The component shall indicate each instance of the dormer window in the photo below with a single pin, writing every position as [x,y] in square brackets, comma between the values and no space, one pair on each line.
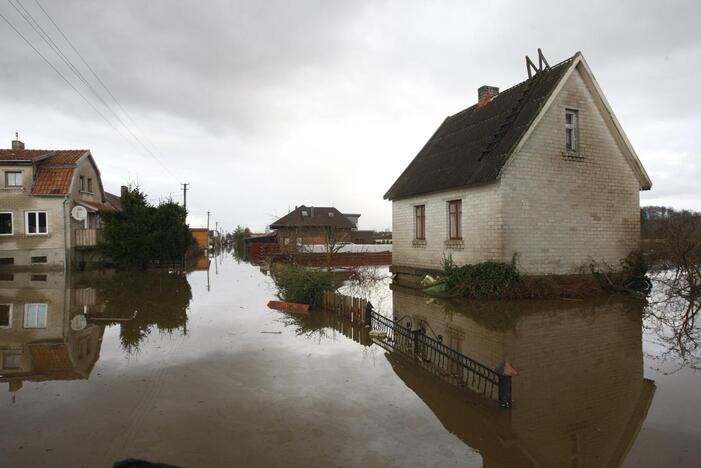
[305,213]
[571,136]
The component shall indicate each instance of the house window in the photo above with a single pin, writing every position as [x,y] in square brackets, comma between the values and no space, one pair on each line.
[82,183]
[6,224]
[35,222]
[35,315]
[90,185]
[454,219]
[38,278]
[7,261]
[7,277]
[5,315]
[13,179]
[420,214]
[571,136]
[40,259]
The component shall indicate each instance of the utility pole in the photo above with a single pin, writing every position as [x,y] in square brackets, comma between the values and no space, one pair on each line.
[185,196]
[208,230]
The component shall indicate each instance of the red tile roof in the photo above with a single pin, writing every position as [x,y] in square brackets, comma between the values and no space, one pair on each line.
[53,180]
[56,157]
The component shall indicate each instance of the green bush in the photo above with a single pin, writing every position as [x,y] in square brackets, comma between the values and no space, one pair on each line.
[481,280]
[142,234]
[303,285]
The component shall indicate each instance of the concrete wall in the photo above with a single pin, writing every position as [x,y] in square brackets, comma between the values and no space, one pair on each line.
[560,213]
[481,228]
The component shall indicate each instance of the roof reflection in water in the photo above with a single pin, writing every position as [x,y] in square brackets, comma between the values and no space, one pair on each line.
[51,324]
[42,334]
[580,397]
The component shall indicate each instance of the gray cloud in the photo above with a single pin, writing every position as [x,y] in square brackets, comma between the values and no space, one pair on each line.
[264,105]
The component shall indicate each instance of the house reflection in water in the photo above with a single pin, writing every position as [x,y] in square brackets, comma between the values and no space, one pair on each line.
[580,397]
[43,332]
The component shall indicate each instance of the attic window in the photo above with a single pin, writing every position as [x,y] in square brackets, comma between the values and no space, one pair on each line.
[571,133]
[305,213]
[330,214]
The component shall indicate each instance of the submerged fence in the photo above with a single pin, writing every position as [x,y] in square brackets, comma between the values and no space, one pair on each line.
[431,354]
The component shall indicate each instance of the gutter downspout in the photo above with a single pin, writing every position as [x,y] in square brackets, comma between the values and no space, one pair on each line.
[66,235]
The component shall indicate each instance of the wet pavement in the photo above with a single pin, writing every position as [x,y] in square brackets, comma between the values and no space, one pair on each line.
[195,370]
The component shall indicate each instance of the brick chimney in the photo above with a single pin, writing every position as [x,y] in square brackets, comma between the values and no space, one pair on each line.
[486,93]
[123,191]
[16,144]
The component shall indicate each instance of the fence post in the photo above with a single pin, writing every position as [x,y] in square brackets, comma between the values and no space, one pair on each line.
[417,334]
[505,391]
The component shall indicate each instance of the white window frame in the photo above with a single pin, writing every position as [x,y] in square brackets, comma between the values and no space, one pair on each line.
[26,223]
[21,180]
[574,128]
[36,322]
[9,323]
[3,360]
[12,221]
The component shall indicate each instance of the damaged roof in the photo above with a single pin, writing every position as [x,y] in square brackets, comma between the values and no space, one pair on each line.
[472,146]
[314,216]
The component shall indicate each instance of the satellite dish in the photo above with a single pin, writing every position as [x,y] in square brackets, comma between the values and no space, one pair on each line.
[79,213]
[79,322]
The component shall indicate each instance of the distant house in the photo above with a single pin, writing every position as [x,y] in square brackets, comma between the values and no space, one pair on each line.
[201,235]
[542,171]
[313,225]
[50,205]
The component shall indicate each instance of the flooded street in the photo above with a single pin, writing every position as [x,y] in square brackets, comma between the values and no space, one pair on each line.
[195,370]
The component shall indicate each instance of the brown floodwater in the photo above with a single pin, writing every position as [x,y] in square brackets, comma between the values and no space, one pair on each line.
[195,370]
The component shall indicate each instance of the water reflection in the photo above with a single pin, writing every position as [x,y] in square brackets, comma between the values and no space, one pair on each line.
[580,397]
[138,302]
[43,332]
[51,324]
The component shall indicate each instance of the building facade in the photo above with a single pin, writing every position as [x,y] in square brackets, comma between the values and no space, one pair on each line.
[50,203]
[541,173]
[313,225]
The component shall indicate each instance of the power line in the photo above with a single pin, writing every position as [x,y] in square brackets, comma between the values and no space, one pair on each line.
[46,37]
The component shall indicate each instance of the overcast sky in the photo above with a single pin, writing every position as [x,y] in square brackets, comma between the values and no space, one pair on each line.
[262,106]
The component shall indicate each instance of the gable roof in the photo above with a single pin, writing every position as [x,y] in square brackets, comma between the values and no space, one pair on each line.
[55,169]
[472,146]
[113,200]
[316,216]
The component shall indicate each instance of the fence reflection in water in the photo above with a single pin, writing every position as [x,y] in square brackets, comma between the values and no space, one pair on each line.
[431,354]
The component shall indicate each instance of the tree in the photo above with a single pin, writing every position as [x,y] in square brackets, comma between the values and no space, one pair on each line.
[141,234]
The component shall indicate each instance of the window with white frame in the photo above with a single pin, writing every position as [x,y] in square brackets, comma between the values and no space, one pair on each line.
[36,222]
[6,225]
[571,136]
[35,315]
[13,179]
[5,315]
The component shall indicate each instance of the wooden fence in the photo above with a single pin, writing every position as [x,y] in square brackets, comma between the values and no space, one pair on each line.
[353,308]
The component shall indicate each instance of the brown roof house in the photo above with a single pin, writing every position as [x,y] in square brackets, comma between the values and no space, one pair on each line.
[542,171]
[49,205]
[312,225]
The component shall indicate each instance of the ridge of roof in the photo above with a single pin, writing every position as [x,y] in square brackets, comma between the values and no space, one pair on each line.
[471,146]
[319,218]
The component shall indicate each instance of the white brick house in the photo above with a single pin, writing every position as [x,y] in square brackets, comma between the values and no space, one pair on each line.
[542,171]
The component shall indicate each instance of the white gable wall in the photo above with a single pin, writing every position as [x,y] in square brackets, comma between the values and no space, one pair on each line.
[560,213]
[481,228]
